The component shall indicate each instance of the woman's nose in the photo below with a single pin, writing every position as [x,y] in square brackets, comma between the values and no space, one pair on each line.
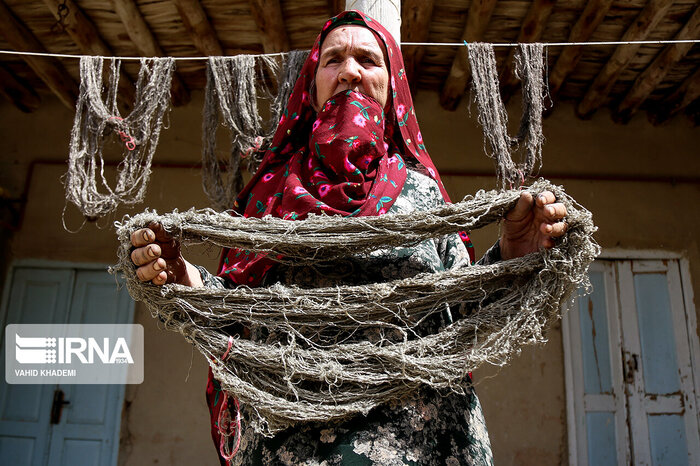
[350,72]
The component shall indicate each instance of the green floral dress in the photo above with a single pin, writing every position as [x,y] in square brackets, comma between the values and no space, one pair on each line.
[431,428]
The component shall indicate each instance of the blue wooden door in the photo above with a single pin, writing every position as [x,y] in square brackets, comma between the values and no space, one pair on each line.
[631,381]
[88,430]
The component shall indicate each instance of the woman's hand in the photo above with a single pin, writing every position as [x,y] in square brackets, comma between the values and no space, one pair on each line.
[532,224]
[159,260]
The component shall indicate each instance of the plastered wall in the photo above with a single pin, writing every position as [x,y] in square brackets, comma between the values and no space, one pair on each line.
[165,419]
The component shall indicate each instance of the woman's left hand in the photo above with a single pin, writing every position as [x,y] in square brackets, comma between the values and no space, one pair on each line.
[532,224]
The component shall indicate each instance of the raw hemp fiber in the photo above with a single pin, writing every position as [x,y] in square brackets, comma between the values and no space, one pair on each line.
[310,370]
[232,95]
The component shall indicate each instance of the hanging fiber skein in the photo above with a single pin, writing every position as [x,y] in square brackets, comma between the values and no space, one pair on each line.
[232,94]
[498,144]
[97,118]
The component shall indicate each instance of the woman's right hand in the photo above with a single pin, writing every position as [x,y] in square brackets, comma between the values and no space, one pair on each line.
[159,260]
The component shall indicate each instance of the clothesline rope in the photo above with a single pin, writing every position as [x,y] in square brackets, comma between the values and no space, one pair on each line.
[410,44]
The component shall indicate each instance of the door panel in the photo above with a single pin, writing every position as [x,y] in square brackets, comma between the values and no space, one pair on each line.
[660,366]
[602,449]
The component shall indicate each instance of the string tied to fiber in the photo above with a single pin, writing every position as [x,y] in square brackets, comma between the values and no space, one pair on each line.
[97,119]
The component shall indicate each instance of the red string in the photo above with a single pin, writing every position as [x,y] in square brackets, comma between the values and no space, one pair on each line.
[254,148]
[226,427]
[128,140]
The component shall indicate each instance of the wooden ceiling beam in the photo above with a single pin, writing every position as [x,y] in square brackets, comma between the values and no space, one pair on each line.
[603,83]
[592,15]
[270,21]
[531,31]
[682,97]
[415,27]
[147,45]
[455,85]
[50,70]
[655,73]
[197,24]
[85,35]
[18,91]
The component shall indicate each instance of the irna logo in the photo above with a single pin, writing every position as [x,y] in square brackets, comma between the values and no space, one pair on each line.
[33,350]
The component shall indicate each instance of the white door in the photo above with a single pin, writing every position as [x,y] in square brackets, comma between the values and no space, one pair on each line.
[36,427]
[629,349]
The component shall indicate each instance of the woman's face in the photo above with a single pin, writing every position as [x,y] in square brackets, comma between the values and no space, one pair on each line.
[352,58]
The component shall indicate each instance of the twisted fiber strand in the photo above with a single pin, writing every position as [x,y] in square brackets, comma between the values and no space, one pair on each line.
[529,68]
[317,363]
[322,237]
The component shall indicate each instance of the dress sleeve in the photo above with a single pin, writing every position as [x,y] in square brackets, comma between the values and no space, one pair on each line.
[212,281]
[454,253]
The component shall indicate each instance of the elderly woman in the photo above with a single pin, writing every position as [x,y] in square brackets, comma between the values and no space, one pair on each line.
[349,144]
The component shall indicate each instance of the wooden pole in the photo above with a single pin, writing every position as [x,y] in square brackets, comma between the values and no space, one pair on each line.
[682,97]
[86,36]
[195,20]
[387,12]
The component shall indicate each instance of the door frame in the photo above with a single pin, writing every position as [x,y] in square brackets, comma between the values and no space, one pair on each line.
[691,328]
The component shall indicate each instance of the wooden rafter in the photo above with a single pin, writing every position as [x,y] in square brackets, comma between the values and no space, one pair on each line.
[50,70]
[682,97]
[647,20]
[85,35]
[651,77]
[533,24]
[592,15]
[415,25]
[197,24]
[456,83]
[268,17]
[142,37]
[17,91]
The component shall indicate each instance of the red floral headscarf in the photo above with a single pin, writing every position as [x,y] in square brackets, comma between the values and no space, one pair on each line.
[346,160]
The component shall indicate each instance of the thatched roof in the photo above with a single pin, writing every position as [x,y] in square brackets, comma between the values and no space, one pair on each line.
[664,79]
